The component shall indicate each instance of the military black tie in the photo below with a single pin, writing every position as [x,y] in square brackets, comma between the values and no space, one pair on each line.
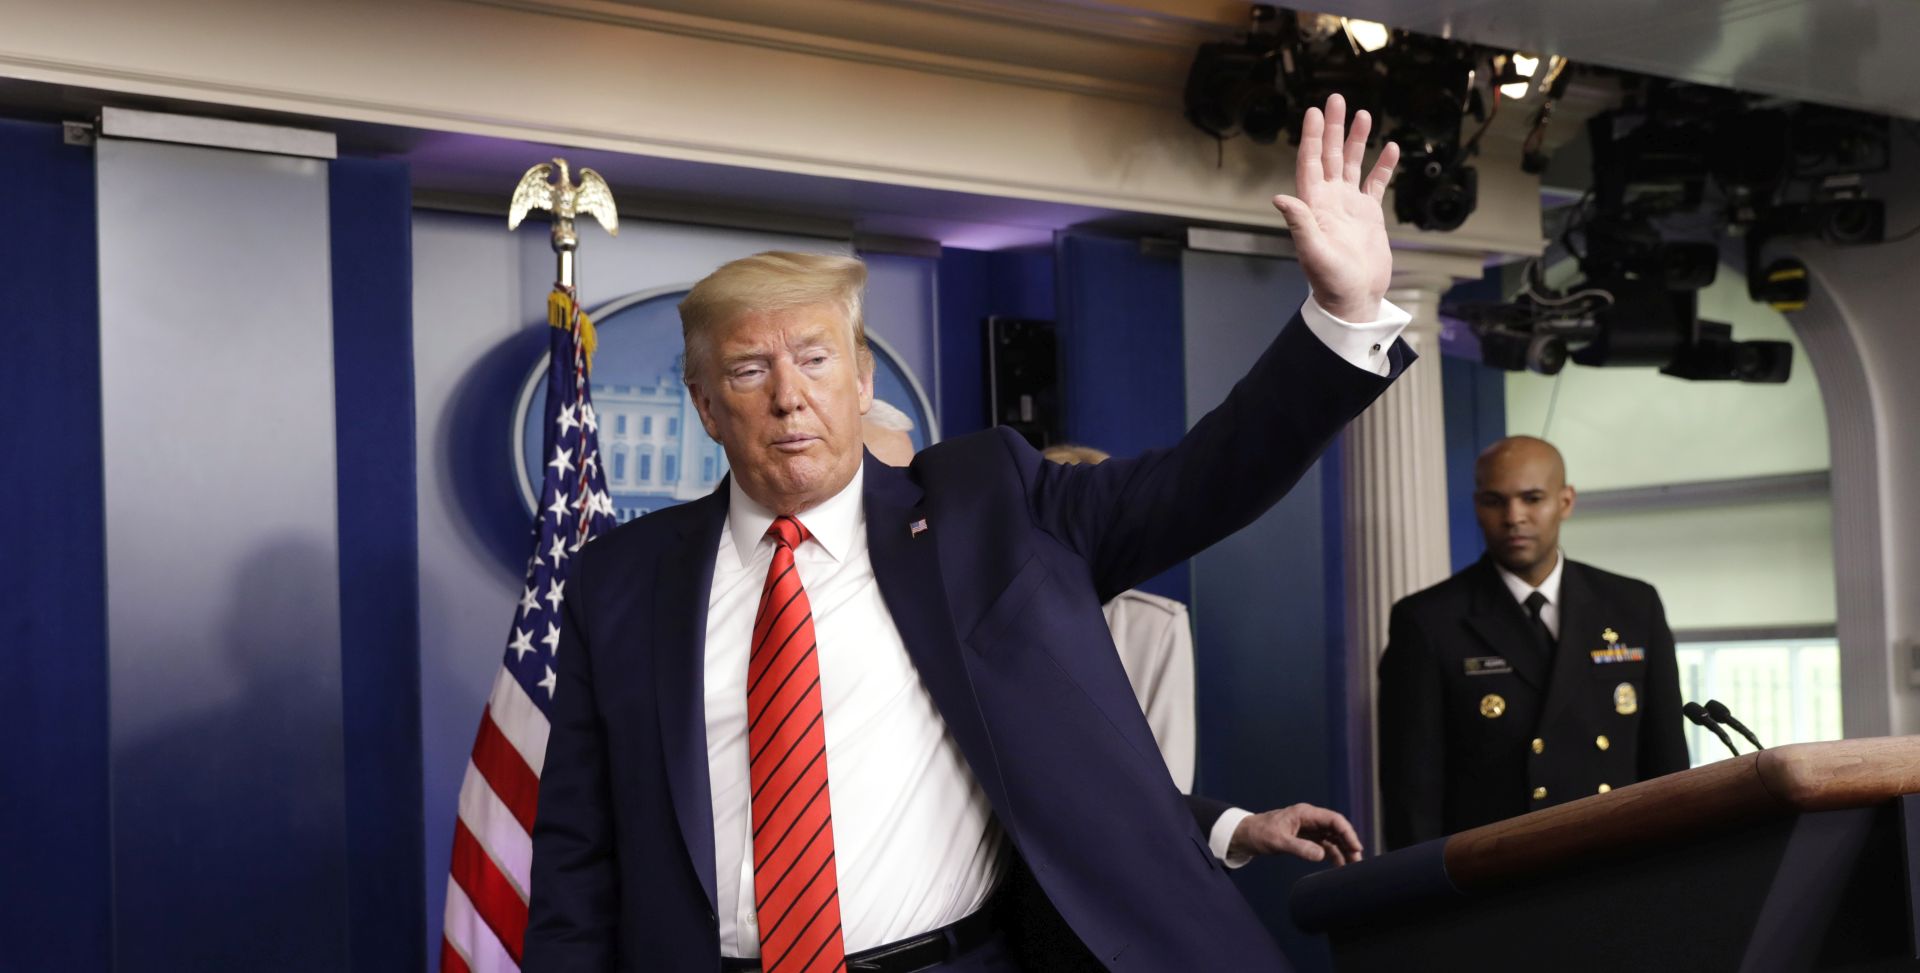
[1536,602]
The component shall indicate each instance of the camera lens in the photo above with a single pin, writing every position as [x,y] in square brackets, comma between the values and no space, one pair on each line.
[1547,354]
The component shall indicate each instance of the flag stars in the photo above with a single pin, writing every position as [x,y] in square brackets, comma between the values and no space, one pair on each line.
[562,460]
[552,639]
[558,552]
[529,603]
[554,596]
[559,508]
[522,644]
[587,417]
[548,683]
[566,420]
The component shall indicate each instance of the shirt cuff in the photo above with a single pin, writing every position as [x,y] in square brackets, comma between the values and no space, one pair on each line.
[1365,345]
[1221,837]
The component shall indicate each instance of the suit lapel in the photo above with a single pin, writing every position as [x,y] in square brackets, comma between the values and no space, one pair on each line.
[903,542]
[683,581]
[1500,622]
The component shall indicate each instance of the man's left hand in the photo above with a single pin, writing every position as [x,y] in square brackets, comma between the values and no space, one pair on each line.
[1303,831]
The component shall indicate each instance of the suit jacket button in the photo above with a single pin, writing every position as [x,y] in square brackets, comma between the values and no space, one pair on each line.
[1602,742]
[1539,793]
[1539,745]
[1605,788]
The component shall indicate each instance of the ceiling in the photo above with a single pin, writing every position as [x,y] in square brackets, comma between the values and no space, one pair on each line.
[1842,52]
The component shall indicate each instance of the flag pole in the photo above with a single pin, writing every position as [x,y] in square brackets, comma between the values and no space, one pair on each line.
[489,882]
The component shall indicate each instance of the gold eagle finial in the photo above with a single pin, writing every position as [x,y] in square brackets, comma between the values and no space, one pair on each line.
[564,198]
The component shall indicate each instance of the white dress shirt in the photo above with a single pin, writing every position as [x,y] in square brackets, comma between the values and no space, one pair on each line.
[1549,612]
[1364,345]
[915,843]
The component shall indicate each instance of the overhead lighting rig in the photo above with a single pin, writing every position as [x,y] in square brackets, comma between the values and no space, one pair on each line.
[1677,169]
[1422,90]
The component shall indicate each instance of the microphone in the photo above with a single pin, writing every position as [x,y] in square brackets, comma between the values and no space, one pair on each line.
[1700,716]
[1718,710]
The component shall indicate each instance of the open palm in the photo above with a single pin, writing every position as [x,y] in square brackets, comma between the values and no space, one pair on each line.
[1339,228]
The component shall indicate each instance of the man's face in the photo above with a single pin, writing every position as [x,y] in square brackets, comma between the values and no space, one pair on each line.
[783,392]
[1520,497]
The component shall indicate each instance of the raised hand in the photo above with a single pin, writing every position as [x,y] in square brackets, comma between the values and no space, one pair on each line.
[1339,229]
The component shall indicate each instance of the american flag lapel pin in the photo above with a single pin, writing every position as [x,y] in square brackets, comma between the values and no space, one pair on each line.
[918,527]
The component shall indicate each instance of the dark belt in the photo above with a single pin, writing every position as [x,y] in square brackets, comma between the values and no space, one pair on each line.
[949,942]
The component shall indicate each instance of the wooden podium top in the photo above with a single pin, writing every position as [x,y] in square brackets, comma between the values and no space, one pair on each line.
[1785,780]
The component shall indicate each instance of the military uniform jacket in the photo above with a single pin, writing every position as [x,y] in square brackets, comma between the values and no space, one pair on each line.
[1478,724]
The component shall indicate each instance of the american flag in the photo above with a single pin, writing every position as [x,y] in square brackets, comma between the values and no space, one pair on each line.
[486,915]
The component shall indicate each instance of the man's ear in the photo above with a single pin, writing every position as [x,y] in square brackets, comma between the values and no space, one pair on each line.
[1567,500]
[866,381]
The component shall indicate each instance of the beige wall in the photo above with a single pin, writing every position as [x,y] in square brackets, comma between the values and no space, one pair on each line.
[1628,427]
[974,104]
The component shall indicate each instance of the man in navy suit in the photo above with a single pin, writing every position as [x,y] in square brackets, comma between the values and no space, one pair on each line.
[818,719]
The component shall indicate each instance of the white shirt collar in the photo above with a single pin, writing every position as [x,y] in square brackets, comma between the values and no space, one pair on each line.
[1519,588]
[834,522]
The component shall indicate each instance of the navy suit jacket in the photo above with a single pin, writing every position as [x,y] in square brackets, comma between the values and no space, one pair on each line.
[998,602]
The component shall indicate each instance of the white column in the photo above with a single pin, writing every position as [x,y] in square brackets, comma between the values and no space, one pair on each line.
[1394,481]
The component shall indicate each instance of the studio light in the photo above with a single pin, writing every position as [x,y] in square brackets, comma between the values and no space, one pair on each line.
[1366,36]
[1436,190]
[1555,66]
[1233,88]
[1517,77]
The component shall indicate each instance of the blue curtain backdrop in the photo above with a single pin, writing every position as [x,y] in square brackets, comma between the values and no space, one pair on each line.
[1474,401]
[371,217]
[1121,354]
[57,900]
[973,286]
[55,906]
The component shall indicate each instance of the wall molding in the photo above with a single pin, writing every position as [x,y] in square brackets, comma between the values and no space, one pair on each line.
[826,43]
[1710,493]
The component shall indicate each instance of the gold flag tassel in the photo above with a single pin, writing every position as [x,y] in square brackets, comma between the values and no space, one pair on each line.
[563,311]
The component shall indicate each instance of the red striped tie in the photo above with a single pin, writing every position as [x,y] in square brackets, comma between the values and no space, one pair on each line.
[794,878]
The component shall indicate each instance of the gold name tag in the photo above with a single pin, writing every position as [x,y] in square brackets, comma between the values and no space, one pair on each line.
[1488,665]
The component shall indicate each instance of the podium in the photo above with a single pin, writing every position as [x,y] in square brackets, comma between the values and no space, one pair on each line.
[1803,857]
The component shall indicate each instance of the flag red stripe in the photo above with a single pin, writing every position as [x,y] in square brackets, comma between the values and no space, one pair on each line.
[506,772]
[450,959]
[493,896]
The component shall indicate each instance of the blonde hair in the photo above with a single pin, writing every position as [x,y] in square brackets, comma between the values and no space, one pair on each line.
[775,280]
[1071,455]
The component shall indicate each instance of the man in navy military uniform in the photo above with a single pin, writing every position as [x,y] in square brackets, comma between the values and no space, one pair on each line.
[1526,680]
